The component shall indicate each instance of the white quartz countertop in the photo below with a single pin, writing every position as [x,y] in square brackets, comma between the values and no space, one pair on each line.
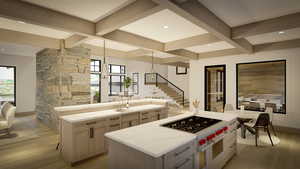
[75,118]
[155,140]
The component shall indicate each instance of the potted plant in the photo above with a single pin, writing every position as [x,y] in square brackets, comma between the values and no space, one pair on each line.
[127,84]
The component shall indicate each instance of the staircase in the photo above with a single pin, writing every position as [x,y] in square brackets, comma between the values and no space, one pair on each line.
[171,90]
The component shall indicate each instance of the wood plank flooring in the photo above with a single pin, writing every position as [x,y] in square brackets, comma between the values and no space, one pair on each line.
[40,153]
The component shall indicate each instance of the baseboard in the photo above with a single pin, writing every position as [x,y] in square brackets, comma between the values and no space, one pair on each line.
[287,129]
[22,114]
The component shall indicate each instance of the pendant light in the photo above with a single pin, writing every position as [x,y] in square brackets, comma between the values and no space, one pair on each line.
[152,67]
[104,71]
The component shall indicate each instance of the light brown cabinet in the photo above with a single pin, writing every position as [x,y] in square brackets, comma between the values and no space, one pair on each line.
[85,139]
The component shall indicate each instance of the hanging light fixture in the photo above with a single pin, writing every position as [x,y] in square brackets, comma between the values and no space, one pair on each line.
[104,67]
[152,67]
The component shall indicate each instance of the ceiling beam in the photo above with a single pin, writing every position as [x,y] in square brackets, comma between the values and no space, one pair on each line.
[219,53]
[195,12]
[28,39]
[75,40]
[185,53]
[173,59]
[22,11]
[180,64]
[288,44]
[134,40]
[271,25]
[191,41]
[131,13]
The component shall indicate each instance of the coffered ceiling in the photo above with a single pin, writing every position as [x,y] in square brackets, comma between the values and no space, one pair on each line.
[33,29]
[164,26]
[240,12]
[92,10]
[275,36]
[176,30]
[210,47]
[111,45]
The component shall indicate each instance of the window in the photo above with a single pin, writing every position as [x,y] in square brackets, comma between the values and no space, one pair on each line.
[8,84]
[96,81]
[261,85]
[135,83]
[215,82]
[181,70]
[116,79]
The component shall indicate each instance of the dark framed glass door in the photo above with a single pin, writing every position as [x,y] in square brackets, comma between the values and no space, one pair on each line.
[215,88]
[8,84]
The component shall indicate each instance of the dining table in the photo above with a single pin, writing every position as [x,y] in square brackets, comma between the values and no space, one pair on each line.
[244,116]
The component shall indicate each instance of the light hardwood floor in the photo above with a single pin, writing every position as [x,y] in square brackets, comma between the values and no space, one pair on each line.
[40,153]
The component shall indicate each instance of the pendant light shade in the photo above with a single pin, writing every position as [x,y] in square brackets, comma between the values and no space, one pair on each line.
[104,71]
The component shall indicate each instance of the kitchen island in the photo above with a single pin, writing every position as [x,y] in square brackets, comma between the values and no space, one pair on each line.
[82,127]
[154,146]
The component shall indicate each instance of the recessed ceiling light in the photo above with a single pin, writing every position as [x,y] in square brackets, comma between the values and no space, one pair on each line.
[21,22]
[281,32]
[166,27]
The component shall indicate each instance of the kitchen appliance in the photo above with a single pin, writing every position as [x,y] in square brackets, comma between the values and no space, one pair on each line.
[210,139]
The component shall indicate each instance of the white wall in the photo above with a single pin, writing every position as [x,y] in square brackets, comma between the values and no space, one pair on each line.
[131,67]
[292,56]
[26,80]
[182,81]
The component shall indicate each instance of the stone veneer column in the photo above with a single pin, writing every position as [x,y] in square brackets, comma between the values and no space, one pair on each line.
[63,78]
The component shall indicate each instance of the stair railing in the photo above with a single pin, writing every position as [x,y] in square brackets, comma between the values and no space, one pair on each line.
[157,79]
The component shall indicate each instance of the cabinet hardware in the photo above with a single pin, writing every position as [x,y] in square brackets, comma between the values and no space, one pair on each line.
[182,164]
[91,132]
[90,123]
[115,118]
[186,149]
[114,125]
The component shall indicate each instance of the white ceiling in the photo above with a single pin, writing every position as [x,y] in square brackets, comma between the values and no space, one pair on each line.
[111,44]
[210,47]
[18,50]
[92,10]
[275,36]
[153,27]
[33,29]
[240,12]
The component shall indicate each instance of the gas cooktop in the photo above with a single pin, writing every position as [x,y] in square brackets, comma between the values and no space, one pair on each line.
[192,124]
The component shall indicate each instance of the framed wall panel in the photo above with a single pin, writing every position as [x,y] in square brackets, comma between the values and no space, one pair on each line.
[261,85]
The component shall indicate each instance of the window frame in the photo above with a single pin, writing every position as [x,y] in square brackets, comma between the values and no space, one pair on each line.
[270,61]
[135,83]
[15,82]
[120,74]
[96,73]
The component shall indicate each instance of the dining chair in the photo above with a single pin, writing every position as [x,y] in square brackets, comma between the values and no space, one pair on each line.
[271,105]
[263,121]
[228,107]
[269,110]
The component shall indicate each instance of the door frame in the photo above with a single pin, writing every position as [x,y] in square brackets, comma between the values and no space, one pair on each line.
[205,84]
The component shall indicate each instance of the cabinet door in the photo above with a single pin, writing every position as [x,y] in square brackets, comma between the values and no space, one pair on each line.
[96,142]
[81,144]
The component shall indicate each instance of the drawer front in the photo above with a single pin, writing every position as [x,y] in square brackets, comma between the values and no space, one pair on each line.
[180,154]
[127,124]
[114,120]
[88,124]
[114,127]
[187,163]
[130,117]
[162,116]
[146,120]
